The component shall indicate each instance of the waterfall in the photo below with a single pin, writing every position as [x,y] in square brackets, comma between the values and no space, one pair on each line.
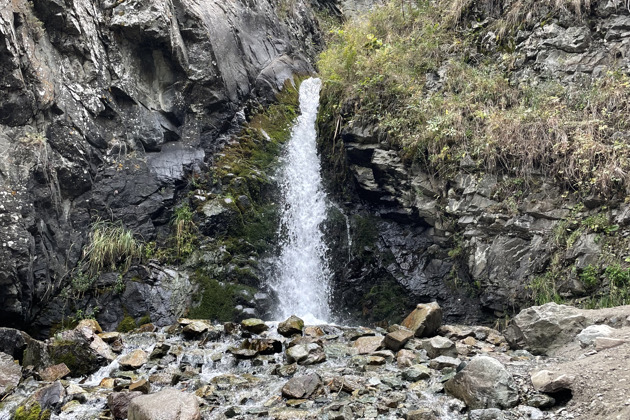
[301,272]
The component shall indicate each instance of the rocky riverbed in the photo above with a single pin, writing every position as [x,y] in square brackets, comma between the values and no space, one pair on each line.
[552,362]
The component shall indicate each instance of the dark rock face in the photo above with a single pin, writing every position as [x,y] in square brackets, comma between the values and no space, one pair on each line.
[105,110]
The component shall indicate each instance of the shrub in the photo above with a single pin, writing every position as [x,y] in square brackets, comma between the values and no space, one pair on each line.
[111,247]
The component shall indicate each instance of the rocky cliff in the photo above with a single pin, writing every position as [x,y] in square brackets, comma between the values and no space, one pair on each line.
[480,148]
[108,110]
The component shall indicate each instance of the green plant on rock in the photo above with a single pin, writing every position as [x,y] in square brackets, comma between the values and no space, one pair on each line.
[127,324]
[590,277]
[111,246]
[217,300]
[185,231]
[544,289]
[32,412]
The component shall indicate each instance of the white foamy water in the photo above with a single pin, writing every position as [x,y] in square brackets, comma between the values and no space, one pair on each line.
[302,273]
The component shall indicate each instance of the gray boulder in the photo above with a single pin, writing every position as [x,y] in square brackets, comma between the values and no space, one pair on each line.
[484,383]
[10,374]
[168,404]
[425,320]
[542,329]
[118,403]
[301,386]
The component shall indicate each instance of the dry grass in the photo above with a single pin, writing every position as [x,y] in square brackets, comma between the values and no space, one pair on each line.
[380,65]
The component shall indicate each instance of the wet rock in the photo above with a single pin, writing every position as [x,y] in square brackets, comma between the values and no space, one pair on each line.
[50,396]
[263,346]
[55,372]
[306,354]
[440,346]
[425,320]
[118,403]
[241,353]
[82,351]
[254,325]
[550,382]
[486,414]
[366,345]
[134,360]
[484,383]
[90,324]
[142,386]
[159,351]
[293,325]
[397,339]
[13,342]
[302,386]
[542,329]
[169,403]
[195,328]
[10,373]
[405,358]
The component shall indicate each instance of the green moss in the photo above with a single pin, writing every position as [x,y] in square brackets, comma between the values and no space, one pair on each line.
[78,359]
[217,300]
[34,412]
[127,324]
[145,320]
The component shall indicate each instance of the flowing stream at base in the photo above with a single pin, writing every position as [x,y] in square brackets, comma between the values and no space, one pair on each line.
[301,272]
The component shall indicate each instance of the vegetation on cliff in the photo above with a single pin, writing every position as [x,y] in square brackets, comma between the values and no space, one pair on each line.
[380,69]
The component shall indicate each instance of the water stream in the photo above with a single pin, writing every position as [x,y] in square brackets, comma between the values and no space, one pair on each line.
[301,272]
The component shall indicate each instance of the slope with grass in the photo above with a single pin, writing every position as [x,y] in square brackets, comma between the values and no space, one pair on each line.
[494,136]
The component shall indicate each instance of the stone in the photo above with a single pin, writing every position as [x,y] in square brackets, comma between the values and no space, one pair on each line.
[416,373]
[10,374]
[107,383]
[550,382]
[50,396]
[293,325]
[541,401]
[396,340]
[110,337]
[263,346]
[306,354]
[484,383]
[82,351]
[142,386]
[603,343]
[13,342]
[134,360]
[440,346]
[195,328]
[421,414]
[90,324]
[166,404]
[442,362]
[405,358]
[301,386]
[542,329]
[587,336]
[425,320]
[159,351]
[486,414]
[241,353]
[54,372]
[118,403]
[254,325]
[370,344]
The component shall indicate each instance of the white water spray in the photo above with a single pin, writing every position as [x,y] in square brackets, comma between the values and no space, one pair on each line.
[302,282]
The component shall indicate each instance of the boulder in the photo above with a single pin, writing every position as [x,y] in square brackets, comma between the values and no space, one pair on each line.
[425,320]
[13,342]
[301,386]
[305,354]
[366,345]
[262,345]
[543,329]
[293,325]
[396,340]
[55,372]
[254,325]
[118,403]
[142,386]
[550,382]
[587,336]
[484,383]
[50,396]
[82,351]
[440,346]
[168,404]
[133,360]
[195,328]
[603,343]
[10,374]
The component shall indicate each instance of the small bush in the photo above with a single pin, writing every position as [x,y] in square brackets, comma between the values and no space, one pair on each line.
[111,247]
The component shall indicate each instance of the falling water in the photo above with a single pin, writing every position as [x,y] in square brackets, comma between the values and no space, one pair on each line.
[302,274]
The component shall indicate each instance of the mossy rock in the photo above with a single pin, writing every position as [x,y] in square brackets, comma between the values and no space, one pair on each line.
[32,412]
[127,324]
